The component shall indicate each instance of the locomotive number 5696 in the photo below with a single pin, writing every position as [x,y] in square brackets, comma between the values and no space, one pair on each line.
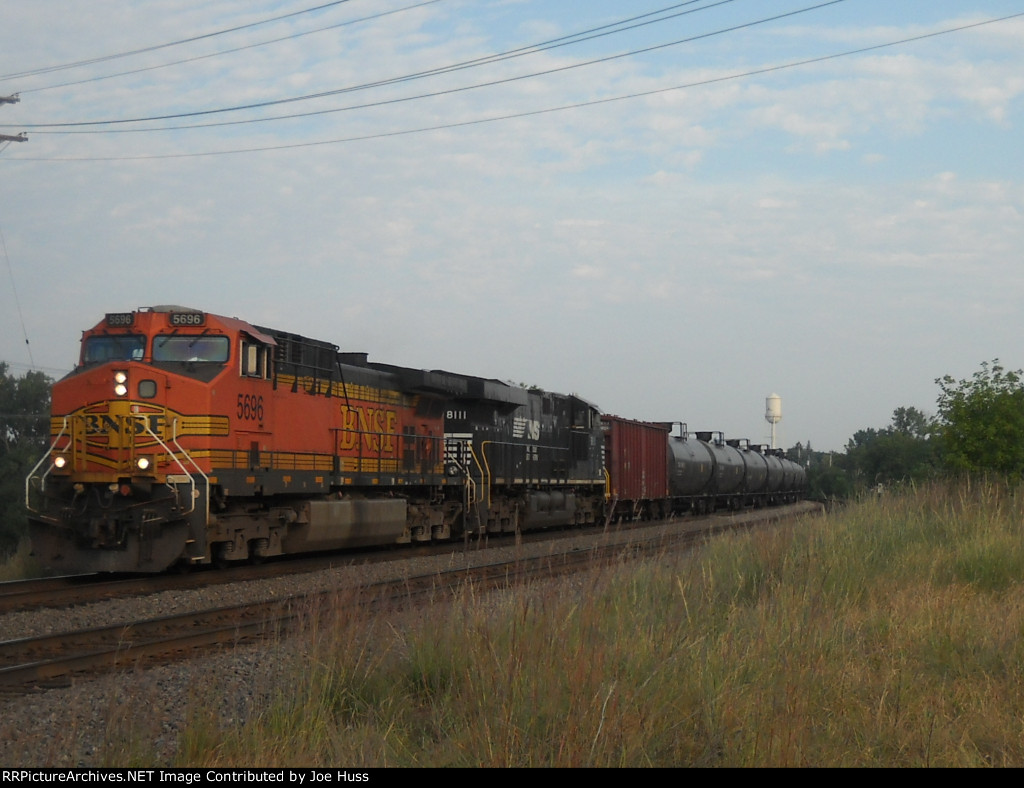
[250,406]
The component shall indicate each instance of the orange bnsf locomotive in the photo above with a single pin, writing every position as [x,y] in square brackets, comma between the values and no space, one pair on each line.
[183,437]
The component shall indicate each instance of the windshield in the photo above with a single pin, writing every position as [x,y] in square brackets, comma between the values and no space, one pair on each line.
[119,347]
[186,347]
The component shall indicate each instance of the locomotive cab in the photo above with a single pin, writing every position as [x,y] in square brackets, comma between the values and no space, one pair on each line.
[124,481]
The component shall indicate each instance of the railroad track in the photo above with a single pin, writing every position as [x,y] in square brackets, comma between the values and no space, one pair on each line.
[62,592]
[33,663]
[54,592]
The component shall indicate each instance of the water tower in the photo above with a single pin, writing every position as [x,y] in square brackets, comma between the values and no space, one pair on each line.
[773,412]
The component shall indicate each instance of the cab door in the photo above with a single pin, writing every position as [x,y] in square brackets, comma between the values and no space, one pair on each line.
[254,405]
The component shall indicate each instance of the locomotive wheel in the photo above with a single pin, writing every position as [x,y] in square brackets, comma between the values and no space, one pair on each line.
[259,549]
[219,555]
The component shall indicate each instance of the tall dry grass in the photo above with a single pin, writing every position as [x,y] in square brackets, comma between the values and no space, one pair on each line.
[888,634]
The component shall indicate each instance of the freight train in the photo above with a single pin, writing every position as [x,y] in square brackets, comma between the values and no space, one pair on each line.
[183,437]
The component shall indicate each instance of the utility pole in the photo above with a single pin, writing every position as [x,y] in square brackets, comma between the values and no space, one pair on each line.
[14,99]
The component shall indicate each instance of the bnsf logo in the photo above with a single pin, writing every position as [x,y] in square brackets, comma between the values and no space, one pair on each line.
[141,426]
[102,429]
[97,424]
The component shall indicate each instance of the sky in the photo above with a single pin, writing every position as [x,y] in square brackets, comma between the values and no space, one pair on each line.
[671,210]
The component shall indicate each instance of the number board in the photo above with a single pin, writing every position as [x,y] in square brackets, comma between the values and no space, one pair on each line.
[120,319]
[187,319]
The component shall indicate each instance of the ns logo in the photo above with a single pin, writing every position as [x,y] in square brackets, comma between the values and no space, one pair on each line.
[525,428]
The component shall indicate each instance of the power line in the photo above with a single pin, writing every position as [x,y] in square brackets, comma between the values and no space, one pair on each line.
[549,110]
[338,91]
[622,25]
[546,111]
[34,368]
[130,53]
[219,53]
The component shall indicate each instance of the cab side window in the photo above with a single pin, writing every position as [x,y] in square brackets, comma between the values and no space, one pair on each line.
[255,360]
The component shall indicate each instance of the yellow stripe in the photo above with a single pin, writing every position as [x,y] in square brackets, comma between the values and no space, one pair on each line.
[352,391]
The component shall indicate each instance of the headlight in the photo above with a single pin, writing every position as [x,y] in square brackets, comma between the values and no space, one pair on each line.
[59,461]
[120,383]
[144,463]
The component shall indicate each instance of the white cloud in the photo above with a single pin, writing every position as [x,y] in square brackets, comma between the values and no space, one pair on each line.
[842,233]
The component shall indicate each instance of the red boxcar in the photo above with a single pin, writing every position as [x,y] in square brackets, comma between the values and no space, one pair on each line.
[636,456]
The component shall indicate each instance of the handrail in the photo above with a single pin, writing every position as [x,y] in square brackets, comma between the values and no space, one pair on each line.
[485,475]
[175,456]
[32,473]
[206,479]
[191,478]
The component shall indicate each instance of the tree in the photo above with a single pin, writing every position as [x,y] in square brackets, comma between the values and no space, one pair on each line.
[24,433]
[827,479]
[982,421]
[903,451]
[912,422]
